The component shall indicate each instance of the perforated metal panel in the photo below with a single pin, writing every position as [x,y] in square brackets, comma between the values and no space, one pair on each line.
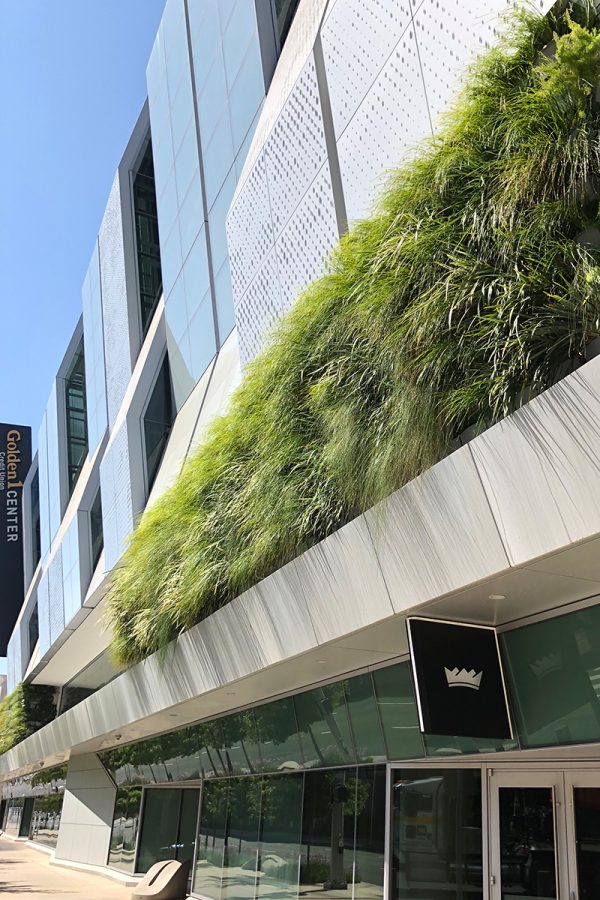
[450,34]
[249,229]
[259,309]
[306,242]
[56,597]
[357,39]
[117,509]
[43,486]
[296,148]
[390,121]
[114,303]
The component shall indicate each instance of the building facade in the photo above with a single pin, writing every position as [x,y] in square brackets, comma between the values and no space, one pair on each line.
[279,744]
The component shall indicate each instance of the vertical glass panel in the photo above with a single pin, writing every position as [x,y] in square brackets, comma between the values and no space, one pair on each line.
[158,420]
[158,834]
[147,237]
[527,844]
[125,826]
[324,728]
[75,406]
[240,860]
[448,746]
[285,11]
[554,678]
[96,530]
[45,821]
[188,822]
[281,824]
[211,839]
[437,834]
[586,803]
[277,733]
[33,629]
[364,719]
[328,832]
[36,544]
[371,812]
[398,711]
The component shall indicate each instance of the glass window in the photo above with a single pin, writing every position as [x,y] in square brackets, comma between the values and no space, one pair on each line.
[285,10]
[328,832]
[202,337]
[36,543]
[371,813]
[33,629]
[324,728]
[277,732]
[398,711]
[240,857]
[437,834]
[158,834]
[45,820]
[147,238]
[75,405]
[125,827]
[364,719]
[554,677]
[96,530]
[211,839]
[586,803]
[281,825]
[158,420]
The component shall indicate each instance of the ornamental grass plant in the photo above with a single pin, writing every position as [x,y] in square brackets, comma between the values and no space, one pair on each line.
[473,286]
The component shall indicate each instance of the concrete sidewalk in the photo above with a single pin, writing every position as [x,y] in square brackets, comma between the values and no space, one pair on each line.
[27,873]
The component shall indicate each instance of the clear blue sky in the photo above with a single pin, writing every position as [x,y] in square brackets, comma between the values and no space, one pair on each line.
[72,83]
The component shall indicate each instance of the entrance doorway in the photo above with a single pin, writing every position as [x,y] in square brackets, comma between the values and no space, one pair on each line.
[545,835]
[168,830]
[472,832]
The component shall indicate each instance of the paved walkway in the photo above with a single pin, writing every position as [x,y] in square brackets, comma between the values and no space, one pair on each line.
[27,873]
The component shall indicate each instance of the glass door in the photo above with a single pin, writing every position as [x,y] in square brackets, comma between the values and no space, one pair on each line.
[528,839]
[582,789]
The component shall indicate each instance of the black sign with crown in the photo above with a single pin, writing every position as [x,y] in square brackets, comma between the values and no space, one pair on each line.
[458,679]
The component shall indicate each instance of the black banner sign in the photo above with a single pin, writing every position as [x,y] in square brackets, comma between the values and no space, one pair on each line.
[458,679]
[15,460]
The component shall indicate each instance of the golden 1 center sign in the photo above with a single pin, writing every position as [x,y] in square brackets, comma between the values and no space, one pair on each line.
[15,461]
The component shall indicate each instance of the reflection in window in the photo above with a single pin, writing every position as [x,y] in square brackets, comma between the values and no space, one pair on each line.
[211,839]
[125,827]
[75,405]
[240,857]
[527,845]
[364,719]
[324,726]
[437,834]
[328,832]
[168,828]
[398,712]
[158,420]
[586,802]
[45,819]
[96,530]
[549,707]
[279,849]
[277,733]
[146,234]
[369,849]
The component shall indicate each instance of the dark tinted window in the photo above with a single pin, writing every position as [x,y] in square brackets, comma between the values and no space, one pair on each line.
[96,531]
[158,419]
[146,235]
[75,404]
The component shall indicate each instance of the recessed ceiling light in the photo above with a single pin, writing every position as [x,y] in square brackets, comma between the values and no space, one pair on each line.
[230,693]
[497,597]
[321,662]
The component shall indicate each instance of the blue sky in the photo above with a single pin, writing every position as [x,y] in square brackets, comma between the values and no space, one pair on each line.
[72,83]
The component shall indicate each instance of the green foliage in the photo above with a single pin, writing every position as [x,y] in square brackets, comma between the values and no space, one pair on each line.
[27,709]
[473,286]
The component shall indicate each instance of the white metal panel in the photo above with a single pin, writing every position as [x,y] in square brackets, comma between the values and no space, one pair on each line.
[295,150]
[249,229]
[390,121]
[117,507]
[357,39]
[259,309]
[303,248]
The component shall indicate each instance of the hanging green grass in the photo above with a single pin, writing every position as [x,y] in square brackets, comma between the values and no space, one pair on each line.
[474,286]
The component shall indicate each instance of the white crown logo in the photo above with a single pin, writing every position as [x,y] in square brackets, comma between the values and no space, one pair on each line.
[545,665]
[462,678]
